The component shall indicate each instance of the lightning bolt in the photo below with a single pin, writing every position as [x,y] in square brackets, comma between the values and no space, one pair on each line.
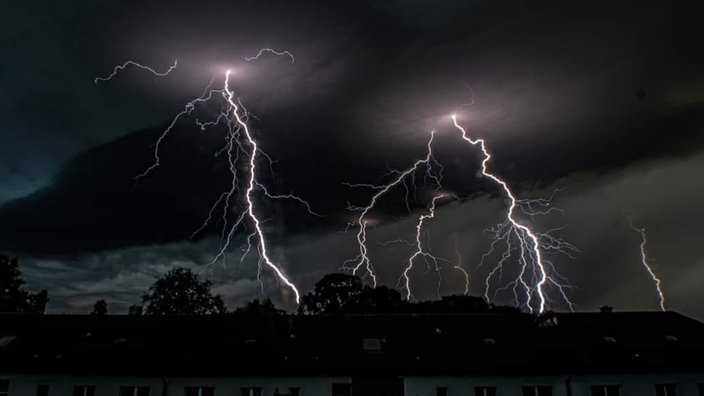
[459,267]
[118,68]
[362,260]
[243,155]
[269,50]
[420,251]
[645,261]
[532,263]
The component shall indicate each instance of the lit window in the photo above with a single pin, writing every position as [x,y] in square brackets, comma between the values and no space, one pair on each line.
[371,344]
[84,390]
[441,391]
[251,391]
[4,387]
[42,390]
[540,390]
[341,389]
[134,391]
[606,390]
[484,391]
[665,390]
[199,391]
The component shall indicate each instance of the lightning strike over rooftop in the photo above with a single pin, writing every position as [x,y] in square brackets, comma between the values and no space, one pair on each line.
[536,273]
[645,261]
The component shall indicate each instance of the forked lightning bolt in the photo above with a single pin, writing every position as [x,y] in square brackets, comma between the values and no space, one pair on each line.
[362,261]
[421,252]
[535,272]
[645,261]
[239,142]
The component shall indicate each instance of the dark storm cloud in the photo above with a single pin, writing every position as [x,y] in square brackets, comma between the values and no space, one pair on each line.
[604,99]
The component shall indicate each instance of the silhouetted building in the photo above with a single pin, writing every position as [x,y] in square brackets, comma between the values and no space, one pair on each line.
[581,354]
[134,310]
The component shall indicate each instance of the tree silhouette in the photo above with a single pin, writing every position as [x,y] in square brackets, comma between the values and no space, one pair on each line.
[100,308]
[377,300]
[345,294]
[180,291]
[330,294]
[12,297]
[263,308]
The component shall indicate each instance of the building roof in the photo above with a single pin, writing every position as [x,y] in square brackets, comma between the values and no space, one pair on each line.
[460,344]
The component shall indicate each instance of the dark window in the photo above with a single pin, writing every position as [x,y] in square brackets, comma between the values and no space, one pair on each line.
[484,391]
[199,391]
[84,390]
[4,387]
[701,389]
[441,391]
[540,390]
[606,390]
[42,390]
[665,390]
[294,391]
[134,391]
[341,389]
[251,391]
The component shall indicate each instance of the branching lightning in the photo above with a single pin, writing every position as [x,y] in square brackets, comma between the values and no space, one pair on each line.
[645,261]
[421,252]
[536,273]
[243,156]
[118,68]
[362,260]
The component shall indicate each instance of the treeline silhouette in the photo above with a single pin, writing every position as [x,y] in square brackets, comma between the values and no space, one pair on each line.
[181,292]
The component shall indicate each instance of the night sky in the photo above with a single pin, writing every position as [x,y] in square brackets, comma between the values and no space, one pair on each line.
[603,101]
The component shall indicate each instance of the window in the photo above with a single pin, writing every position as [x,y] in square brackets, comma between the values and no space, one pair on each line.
[341,389]
[484,391]
[251,391]
[84,390]
[701,389]
[134,391]
[371,344]
[199,391]
[441,391]
[540,390]
[665,390]
[294,391]
[4,387]
[42,390]
[606,390]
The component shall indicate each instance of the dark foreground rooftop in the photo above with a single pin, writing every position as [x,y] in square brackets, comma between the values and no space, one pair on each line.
[461,344]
